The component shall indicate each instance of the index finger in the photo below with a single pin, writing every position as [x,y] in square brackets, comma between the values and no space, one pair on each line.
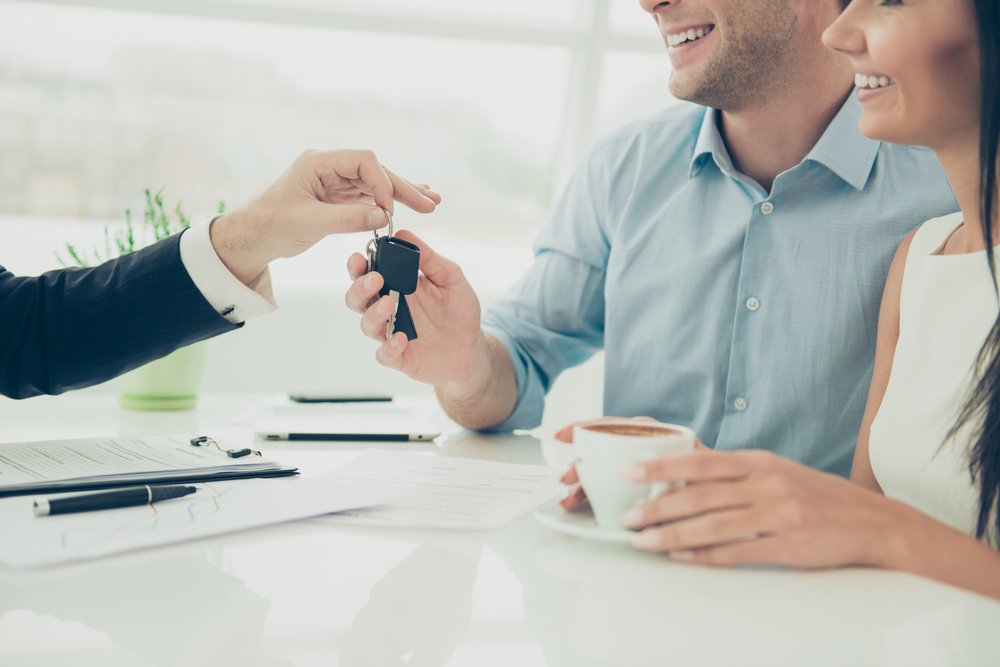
[354,164]
[357,266]
[422,200]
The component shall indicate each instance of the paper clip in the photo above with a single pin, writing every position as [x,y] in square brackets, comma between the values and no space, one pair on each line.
[205,441]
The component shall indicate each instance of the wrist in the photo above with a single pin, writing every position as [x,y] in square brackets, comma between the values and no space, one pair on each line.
[894,542]
[237,249]
[476,381]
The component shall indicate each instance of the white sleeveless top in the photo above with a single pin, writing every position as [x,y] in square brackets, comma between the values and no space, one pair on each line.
[947,307]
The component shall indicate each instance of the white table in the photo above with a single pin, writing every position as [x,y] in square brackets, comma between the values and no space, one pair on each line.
[311,593]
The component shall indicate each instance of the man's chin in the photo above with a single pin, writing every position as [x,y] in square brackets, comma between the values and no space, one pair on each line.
[683,87]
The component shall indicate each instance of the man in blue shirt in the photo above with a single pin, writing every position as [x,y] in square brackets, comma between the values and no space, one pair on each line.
[728,255]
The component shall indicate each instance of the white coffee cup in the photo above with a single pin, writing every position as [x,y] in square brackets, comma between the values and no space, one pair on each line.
[602,450]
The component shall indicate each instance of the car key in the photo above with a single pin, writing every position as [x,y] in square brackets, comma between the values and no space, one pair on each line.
[398,261]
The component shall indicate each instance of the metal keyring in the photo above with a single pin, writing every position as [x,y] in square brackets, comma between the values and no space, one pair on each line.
[372,245]
[375,231]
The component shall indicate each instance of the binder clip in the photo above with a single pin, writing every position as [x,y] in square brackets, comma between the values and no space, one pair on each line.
[205,441]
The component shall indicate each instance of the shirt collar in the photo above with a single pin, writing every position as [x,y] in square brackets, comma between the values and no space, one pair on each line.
[709,142]
[842,148]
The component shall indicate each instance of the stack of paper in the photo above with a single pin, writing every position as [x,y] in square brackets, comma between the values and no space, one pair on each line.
[216,508]
[444,492]
[67,465]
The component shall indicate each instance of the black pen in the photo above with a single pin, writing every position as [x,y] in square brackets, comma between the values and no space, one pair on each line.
[88,502]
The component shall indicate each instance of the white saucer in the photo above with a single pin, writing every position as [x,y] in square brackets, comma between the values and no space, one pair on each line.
[579,524]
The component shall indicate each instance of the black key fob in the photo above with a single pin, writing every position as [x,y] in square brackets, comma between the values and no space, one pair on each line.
[398,261]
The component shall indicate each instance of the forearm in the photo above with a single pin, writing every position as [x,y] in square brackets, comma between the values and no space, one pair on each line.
[77,327]
[926,547]
[488,396]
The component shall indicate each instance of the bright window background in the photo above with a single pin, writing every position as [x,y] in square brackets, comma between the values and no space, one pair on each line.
[492,104]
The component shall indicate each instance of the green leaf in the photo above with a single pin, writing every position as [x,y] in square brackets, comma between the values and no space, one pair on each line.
[156,221]
[76,256]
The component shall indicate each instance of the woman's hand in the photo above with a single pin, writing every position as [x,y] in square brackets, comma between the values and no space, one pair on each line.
[575,498]
[756,507]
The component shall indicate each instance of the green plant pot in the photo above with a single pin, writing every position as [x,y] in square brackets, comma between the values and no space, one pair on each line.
[170,383]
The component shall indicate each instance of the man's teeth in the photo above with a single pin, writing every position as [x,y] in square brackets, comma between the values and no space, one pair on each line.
[872,81]
[689,35]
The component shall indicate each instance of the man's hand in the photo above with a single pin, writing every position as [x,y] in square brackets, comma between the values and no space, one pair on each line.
[471,371]
[451,346]
[323,192]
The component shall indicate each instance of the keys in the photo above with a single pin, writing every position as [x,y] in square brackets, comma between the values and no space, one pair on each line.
[398,261]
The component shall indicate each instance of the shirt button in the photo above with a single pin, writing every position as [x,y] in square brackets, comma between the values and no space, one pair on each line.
[753,303]
[767,208]
[740,404]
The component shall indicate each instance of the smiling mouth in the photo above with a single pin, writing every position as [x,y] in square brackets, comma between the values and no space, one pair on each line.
[675,39]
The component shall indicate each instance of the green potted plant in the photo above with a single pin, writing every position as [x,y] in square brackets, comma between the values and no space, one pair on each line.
[170,383]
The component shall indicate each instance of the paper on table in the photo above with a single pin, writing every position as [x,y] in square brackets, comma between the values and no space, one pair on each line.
[445,492]
[218,507]
[38,466]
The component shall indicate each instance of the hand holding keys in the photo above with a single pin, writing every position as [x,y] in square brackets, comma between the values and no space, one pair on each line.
[443,306]
[398,262]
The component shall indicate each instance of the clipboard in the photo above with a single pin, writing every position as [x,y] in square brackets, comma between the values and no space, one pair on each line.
[56,466]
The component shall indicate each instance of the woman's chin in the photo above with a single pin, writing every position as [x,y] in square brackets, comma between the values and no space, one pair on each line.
[878,127]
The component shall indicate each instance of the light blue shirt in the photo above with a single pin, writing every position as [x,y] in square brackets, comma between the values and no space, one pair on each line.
[749,316]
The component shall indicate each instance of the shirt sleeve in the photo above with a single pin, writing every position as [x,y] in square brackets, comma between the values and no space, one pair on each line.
[231,298]
[553,318]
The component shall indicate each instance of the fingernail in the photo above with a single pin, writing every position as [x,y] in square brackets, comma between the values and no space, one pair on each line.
[395,342]
[633,517]
[648,540]
[634,473]
[376,218]
[370,282]
[682,556]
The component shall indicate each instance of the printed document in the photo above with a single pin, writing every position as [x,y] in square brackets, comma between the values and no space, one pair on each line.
[216,508]
[445,492]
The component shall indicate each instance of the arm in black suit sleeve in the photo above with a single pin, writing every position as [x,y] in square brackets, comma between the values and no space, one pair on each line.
[77,327]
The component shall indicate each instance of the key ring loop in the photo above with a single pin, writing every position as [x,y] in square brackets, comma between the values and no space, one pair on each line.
[375,231]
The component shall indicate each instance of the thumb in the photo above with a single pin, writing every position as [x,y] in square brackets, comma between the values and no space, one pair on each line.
[345,218]
[440,270]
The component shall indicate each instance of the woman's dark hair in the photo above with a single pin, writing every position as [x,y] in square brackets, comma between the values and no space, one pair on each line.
[983,403]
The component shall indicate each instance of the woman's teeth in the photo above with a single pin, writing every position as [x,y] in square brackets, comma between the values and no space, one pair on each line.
[690,35]
[872,81]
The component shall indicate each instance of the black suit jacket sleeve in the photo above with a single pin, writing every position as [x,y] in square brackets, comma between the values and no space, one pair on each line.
[77,327]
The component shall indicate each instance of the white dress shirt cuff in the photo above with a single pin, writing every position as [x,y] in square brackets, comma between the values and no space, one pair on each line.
[225,292]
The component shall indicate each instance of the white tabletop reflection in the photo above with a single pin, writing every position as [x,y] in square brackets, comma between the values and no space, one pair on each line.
[313,593]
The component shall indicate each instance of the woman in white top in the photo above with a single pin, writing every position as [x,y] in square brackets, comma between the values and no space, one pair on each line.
[926,474]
